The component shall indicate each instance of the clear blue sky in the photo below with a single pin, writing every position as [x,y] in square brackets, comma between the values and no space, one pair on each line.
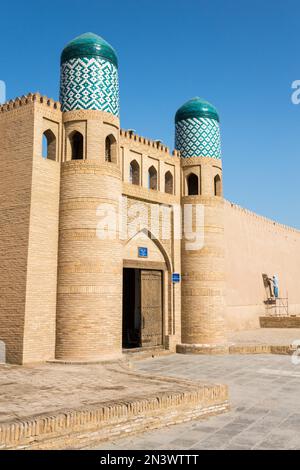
[241,55]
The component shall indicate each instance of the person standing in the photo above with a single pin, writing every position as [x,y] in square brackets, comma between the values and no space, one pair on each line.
[275,286]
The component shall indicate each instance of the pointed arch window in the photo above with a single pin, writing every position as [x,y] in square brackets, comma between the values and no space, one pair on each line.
[169,183]
[192,184]
[110,149]
[217,185]
[76,141]
[134,172]
[49,145]
[152,178]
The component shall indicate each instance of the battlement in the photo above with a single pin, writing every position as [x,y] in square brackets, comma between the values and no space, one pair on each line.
[268,223]
[132,136]
[28,99]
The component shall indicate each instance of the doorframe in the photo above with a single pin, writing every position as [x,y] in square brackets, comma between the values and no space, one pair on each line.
[139,264]
[152,266]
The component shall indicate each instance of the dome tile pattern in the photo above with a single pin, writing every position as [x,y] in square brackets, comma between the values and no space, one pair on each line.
[89,84]
[89,75]
[198,138]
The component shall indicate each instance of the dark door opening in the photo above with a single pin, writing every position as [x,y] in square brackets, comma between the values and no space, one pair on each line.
[131,309]
[142,308]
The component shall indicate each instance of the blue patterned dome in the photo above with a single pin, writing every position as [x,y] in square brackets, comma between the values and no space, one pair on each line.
[89,45]
[89,75]
[196,107]
[197,131]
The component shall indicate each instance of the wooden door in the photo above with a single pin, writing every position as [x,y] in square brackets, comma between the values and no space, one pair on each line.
[151,308]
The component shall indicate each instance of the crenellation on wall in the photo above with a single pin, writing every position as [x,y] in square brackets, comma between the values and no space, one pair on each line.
[156,147]
[263,221]
[28,99]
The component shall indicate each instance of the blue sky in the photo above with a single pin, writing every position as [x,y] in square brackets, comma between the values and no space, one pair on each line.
[240,55]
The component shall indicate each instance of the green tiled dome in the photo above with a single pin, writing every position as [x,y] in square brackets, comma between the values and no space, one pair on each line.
[196,108]
[197,130]
[89,45]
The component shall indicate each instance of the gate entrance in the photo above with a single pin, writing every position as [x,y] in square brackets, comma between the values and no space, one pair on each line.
[142,308]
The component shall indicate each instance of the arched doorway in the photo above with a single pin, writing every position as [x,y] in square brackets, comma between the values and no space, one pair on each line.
[142,308]
[145,289]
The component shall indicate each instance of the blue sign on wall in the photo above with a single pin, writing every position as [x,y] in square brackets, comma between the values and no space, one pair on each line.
[176,277]
[143,252]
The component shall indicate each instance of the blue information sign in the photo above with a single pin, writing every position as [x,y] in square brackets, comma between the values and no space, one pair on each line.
[143,252]
[176,277]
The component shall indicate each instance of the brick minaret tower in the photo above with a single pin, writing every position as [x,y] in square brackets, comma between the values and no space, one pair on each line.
[203,272]
[89,299]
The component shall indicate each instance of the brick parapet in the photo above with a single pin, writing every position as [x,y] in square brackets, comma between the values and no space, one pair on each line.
[136,141]
[29,99]
[264,222]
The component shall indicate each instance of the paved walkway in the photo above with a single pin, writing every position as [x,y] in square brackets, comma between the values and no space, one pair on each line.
[265,398]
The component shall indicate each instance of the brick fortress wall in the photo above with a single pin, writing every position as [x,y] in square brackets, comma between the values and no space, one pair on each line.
[256,245]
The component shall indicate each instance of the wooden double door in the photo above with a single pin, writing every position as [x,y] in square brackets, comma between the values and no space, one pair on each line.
[142,308]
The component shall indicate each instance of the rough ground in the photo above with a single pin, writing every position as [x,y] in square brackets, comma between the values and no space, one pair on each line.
[50,388]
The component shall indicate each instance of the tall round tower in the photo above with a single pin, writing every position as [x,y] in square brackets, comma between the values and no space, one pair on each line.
[89,309]
[197,136]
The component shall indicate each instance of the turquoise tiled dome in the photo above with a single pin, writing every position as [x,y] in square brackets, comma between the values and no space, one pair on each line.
[196,108]
[89,45]
[89,75]
[197,132]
